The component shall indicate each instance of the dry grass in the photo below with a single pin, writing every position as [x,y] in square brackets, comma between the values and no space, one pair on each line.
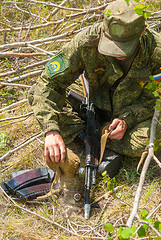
[63,218]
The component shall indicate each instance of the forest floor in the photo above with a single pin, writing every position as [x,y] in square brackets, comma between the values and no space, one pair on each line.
[63,218]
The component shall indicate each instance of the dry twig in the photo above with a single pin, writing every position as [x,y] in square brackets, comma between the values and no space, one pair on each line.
[19,120]
[11,118]
[13,54]
[36,214]
[157,161]
[43,40]
[72,9]
[25,76]
[13,105]
[22,69]
[150,225]
[14,85]
[26,142]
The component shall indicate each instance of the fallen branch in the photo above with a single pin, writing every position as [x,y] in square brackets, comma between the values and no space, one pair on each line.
[32,14]
[154,210]
[55,22]
[154,13]
[13,105]
[102,211]
[145,168]
[156,25]
[26,44]
[13,54]
[22,69]
[26,142]
[71,9]
[24,28]
[46,219]
[19,120]
[15,85]
[25,76]
[34,213]
[42,50]
[106,195]
[12,118]
[56,9]
[6,25]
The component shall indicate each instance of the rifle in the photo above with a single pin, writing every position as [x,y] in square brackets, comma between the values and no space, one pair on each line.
[92,141]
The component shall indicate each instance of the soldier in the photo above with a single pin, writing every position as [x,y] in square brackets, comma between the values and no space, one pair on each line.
[117,56]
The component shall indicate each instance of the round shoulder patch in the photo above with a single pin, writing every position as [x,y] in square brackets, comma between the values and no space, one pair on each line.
[55,65]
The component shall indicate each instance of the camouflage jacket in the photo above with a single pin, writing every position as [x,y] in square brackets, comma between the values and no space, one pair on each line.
[131,100]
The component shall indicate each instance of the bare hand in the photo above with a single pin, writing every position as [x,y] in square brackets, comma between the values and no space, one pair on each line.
[55,150]
[118,127]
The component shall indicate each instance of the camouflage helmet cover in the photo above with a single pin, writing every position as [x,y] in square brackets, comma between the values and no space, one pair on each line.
[122,30]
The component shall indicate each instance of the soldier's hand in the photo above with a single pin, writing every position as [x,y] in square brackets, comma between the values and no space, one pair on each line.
[55,149]
[118,127]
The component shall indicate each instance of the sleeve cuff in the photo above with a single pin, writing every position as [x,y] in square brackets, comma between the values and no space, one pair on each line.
[51,127]
[128,117]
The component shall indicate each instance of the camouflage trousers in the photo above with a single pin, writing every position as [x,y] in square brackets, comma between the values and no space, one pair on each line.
[133,143]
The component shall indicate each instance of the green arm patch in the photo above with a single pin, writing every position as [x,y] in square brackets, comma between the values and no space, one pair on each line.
[56,65]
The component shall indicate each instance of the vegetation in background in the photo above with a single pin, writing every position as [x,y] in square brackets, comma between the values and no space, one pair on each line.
[26,21]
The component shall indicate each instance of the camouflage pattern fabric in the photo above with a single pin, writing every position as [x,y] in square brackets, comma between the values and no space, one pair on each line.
[130,100]
[134,141]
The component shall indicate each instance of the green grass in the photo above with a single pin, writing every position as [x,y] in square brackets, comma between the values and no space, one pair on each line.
[32,221]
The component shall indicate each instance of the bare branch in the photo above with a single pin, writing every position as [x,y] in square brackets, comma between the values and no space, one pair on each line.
[43,25]
[25,76]
[10,152]
[13,105]
[19,120]
[11,118]
[24,28]
[157,161]
[144,154]
[145,167]
[22,69]
[56,9]
[71,9]
[25,44]
[37,215]
[40,49]
[24,11]
[13,2]
[150,214]
[15,85]
[150,225]
[13,54]
[154,210]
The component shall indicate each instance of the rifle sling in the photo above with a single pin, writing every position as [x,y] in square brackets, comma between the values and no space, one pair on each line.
[54,190]
[104,138]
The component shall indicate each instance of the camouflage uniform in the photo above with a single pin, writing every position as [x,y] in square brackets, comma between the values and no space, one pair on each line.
[130,100]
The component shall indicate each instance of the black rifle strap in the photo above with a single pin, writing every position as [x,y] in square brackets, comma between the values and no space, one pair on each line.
[125,65]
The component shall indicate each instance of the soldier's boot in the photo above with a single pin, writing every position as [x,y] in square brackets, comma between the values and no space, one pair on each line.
[111,163]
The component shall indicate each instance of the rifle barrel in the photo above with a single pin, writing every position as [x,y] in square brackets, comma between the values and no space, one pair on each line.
[87,192]
[87,209]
